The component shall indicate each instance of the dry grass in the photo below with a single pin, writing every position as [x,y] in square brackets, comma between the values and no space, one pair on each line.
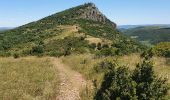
[27,79]
[95,40]
[67,30]
[162,67]
[85,63]
[129,60]
[161,64]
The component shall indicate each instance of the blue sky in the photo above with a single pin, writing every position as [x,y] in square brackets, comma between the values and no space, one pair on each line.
[18,12]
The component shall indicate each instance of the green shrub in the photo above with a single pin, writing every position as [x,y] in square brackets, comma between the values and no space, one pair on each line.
[66,46]
[162,49]
[147,54]
[39,49]
[149,86]
[119,83]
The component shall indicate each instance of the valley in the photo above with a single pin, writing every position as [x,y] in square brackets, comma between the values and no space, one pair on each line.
[150,35]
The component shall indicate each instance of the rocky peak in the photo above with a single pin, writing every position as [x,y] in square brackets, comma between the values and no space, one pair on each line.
[91,12]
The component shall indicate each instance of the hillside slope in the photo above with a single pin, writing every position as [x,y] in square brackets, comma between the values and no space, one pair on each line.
[150,34]
[52,35]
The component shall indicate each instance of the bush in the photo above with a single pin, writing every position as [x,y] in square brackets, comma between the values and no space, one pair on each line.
[66,46]
[39,49]
[99,46]
[104,66]
[148,84]
[119,83]
[16,55]
[162,49]
[106,52]
[147,54]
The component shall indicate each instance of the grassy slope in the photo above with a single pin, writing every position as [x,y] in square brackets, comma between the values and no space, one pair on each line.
[27,78]
[86,63]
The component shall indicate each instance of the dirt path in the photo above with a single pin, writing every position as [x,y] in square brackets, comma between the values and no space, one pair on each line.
[71,82]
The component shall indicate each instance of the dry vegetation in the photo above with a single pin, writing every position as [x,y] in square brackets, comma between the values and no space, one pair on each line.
[86,63]
[66,30]
[36,78]
[27,79]
[96,40]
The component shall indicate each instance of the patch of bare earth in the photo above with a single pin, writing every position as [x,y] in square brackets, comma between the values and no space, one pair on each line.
[71,82]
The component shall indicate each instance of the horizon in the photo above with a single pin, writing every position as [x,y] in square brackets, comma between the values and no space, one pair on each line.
[132,12]
[117,25]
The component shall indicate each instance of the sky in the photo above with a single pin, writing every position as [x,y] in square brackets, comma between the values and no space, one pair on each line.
[15,13]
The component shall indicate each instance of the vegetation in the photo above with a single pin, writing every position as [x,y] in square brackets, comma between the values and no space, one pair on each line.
[25,40]
[97,70]
[66,46]
[162,49]
[142,84]
[151,34]
[105,64]
[27,78]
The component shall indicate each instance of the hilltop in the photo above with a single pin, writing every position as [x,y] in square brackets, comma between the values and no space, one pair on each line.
[76,30]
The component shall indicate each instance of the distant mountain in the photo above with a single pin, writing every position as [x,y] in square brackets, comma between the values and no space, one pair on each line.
[149,34]
[135,26]
[5,28]
[76,30]
[127,26]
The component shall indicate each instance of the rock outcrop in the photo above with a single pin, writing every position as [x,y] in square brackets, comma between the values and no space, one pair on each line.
[93,13]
